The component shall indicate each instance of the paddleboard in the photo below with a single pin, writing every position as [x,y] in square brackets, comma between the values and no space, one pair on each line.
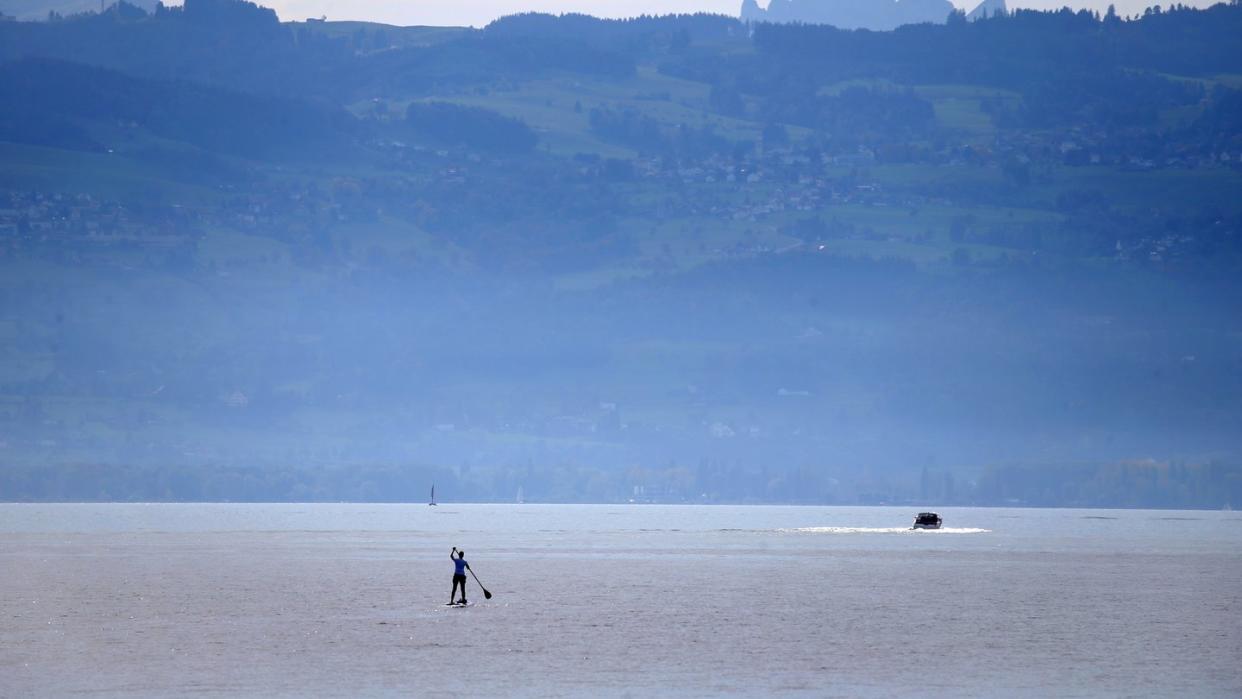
[455,605]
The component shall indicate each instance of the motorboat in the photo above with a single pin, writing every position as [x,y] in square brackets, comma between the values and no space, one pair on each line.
[927,520]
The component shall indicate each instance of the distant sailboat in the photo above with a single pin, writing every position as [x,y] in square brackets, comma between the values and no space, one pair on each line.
[520,498]
[433,495]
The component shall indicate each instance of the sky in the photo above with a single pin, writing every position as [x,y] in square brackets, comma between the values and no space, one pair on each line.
[480,12]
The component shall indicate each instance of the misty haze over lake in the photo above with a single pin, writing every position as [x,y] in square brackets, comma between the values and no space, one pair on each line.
[672,259]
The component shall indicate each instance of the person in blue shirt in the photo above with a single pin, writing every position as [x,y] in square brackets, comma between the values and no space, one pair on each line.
[459,574]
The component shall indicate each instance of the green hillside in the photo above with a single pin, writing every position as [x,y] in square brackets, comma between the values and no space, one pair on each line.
[634,250]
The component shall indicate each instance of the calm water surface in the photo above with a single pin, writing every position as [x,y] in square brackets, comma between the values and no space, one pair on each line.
[295,600]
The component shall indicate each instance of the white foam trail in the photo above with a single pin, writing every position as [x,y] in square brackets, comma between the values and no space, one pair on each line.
[884,530]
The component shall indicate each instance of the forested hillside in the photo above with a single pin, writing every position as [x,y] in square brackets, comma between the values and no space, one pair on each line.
[678,258]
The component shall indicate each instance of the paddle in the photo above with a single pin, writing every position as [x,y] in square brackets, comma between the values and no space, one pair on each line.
[486,594]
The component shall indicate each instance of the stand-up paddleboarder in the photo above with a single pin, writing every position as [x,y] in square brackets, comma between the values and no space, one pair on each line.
[459,574]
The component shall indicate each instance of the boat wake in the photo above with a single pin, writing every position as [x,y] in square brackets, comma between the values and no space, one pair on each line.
[884,530]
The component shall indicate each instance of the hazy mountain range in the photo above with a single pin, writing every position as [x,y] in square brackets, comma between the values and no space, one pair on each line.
[687,257]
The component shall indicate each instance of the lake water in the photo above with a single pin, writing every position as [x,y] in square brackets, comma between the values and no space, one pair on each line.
[295,600]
